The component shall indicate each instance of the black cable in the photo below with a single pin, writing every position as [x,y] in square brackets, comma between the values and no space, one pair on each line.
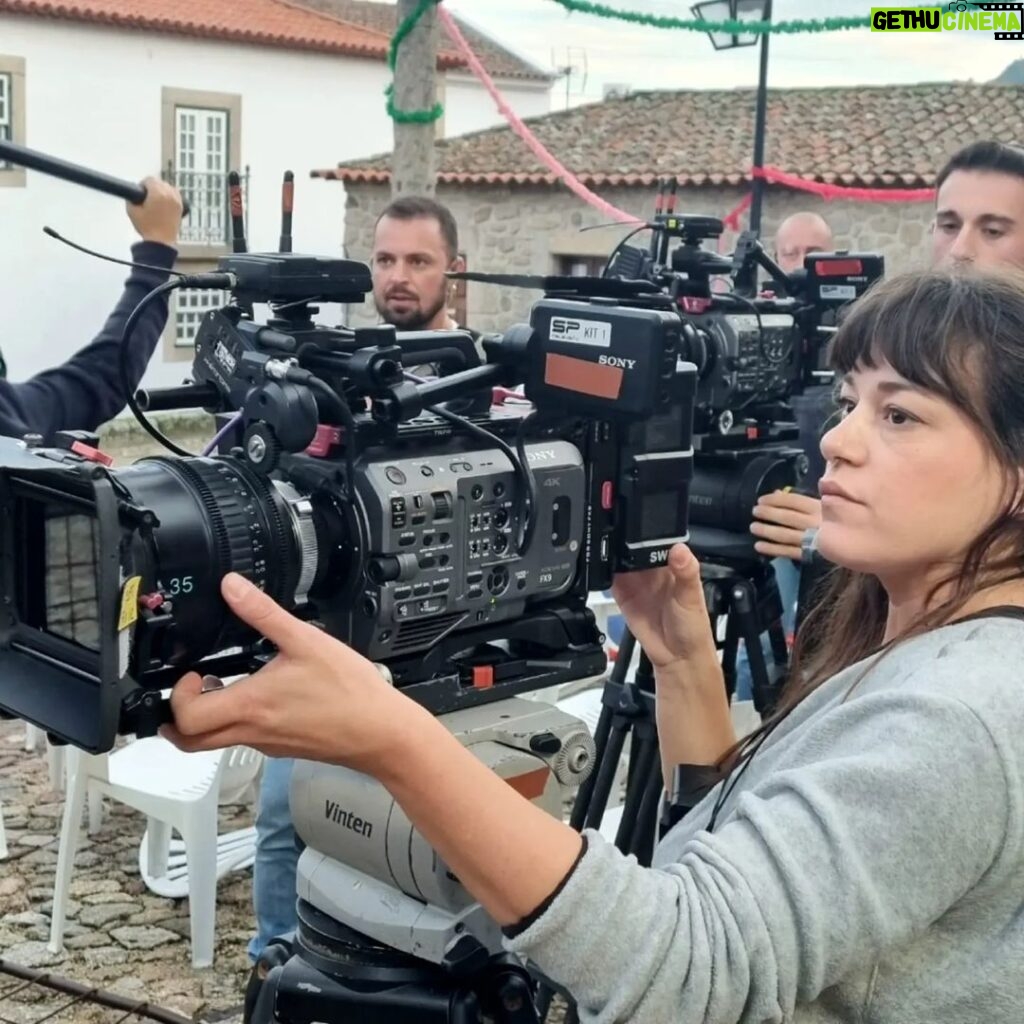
[219,281]
[528,503]
[622,242]
[183,281]
[278,307]
[126,383]
[520,465]
[333,404]
[760,325]
[111,259]
[760,345]
[350,439]
[337,407]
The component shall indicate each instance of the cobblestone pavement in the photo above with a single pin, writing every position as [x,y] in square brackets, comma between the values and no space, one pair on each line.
[119,936]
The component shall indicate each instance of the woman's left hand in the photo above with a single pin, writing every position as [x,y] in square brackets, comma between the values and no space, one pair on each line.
[317,699]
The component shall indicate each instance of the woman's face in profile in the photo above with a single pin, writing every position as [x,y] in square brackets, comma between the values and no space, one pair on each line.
[910,483]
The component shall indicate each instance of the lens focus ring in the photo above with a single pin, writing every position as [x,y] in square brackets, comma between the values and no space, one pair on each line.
[243,510]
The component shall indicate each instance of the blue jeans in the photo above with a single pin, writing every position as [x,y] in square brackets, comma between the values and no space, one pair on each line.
[277,854]
[787,576]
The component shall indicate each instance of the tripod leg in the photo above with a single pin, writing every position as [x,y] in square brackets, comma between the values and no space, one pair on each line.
[780,648]
[545,996]
[644,756]
[645,829]
[814,578]
[607,766]
[744,611]
[585,797]
[730,650]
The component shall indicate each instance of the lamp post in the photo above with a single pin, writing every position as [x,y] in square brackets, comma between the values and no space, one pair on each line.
[745,10]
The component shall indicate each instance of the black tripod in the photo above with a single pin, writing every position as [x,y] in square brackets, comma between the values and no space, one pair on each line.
[627,709]
[748,596]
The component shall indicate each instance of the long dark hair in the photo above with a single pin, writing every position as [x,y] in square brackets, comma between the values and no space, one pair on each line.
[960,335]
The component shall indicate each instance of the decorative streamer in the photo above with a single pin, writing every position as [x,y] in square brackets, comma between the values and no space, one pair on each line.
[547,159]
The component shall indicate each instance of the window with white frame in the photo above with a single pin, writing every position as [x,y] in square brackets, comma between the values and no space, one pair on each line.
[6,108]
[191,305]
[201,155]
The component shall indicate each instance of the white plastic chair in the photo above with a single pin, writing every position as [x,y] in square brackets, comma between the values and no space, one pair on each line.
[163,864]
[176,791]
[163,860]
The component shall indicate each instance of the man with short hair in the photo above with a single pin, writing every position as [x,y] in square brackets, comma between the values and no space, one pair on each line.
[979,206]
[415,243]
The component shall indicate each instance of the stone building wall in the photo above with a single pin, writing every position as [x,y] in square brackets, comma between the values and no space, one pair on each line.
[527,229]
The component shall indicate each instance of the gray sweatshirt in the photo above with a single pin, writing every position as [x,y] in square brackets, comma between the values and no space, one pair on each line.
[868,866]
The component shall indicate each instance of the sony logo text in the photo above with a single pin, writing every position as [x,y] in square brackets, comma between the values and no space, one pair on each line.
[625,364]
[541,455]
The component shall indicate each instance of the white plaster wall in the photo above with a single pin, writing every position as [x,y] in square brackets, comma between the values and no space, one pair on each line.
[93,96]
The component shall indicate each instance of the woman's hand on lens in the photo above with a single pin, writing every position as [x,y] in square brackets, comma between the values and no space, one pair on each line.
[317,699]
[666,611]
[780,521]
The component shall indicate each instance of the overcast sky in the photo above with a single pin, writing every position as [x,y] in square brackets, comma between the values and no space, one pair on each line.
[652,58]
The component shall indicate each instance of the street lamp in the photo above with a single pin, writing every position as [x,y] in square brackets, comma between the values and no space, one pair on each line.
[745,10]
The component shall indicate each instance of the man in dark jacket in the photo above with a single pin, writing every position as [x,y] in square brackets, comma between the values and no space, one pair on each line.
[86,391]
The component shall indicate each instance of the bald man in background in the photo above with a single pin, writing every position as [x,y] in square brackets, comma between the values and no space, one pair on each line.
[798,235]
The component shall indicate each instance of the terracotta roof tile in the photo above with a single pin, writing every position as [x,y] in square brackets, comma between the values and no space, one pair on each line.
[382,17]
[262,22]
[863,136]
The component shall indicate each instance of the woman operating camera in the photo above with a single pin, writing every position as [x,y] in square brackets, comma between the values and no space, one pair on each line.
[862,858]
